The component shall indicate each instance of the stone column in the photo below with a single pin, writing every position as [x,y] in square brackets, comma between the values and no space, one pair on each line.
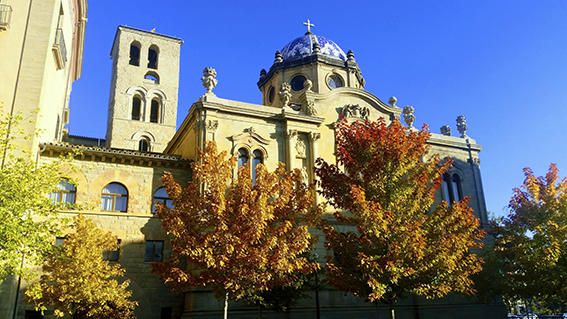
[291,140]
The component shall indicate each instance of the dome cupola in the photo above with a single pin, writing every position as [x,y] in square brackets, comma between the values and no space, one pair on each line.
[310,44]
[312,59]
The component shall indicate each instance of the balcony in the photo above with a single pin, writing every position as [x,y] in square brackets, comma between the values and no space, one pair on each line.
[5,16]
[59,49]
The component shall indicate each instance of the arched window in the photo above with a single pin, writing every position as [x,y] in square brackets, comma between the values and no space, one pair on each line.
[136,108]
[155,111]
[242,157]
[114,197]
[153,55]
[456,187]
[258,159]
[152,76]
[135,53]
[451,188]
[160,196]
[144,145]
[64,195]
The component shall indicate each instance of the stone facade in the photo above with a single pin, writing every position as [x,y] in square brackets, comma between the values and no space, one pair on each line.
[157,83]
[311,85]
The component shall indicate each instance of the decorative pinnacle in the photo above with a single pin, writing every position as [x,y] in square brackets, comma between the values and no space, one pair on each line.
[209,79]
[393,100]
[409,118]
[350,56]
[316,48]
[278,57]
[462,125]
[308,24]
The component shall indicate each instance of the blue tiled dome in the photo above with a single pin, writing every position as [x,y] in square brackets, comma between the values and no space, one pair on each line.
[303,46]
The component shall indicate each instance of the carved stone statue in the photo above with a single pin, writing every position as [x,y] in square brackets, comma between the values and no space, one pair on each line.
[304,175]
[309,108]
[355,111]
[462,125]
[408,112]
[300,148]
[285,94]
[308,84]
[446,130]
[209,79]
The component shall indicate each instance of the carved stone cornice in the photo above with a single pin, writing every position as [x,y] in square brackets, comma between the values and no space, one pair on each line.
[113,155]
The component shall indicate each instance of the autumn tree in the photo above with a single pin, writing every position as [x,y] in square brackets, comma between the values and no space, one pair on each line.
[399,241]
[530,243]
[26,214]
[237,236]
[78,283]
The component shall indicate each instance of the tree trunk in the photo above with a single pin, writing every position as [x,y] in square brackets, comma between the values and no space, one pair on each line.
[226,306]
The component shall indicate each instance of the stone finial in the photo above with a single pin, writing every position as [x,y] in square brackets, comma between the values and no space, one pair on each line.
[285,94]
[316,48]
[462,125]
[209,79]
[393,100]
[308,85]
[350,56]
[408,112]
[263,73]
[278,57]
[446,130]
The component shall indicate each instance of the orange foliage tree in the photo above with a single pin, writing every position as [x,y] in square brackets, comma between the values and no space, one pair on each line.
[530,243]
[236,236]
[384,186]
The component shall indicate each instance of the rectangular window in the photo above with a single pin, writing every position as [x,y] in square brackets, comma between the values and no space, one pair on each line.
[112,255]
[166,313]
[59,241]
[32,314]
[154,250]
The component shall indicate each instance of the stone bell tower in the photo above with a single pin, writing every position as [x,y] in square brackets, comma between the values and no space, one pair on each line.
[143,94]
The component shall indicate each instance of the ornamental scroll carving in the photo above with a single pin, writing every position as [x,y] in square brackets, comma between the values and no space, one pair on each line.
[355,111]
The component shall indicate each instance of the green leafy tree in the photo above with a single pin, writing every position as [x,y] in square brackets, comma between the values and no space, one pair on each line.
[384,186]
[27,225]
[78,283]
[237,237]
[528,255]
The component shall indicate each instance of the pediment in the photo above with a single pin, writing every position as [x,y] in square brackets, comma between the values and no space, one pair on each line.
[357,104]
[249,136]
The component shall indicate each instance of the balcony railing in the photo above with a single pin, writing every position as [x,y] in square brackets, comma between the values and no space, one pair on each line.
[5,16]
[60,49]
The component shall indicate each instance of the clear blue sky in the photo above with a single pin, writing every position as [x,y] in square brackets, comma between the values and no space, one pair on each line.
[502,64]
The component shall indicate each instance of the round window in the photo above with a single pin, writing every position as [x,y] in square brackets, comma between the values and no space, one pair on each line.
[335,81]
[271,94]
[297,83]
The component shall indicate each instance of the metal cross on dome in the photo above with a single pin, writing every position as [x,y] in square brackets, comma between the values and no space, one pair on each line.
[308,24]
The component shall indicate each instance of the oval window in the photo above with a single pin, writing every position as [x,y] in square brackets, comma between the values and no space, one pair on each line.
[335,81]
[298,82]
[271,94]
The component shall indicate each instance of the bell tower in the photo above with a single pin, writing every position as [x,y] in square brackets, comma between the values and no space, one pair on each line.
[143,94]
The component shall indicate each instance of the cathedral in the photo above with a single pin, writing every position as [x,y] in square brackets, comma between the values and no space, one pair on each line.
[116,181]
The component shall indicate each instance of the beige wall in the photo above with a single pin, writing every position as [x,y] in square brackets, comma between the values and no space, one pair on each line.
[133,227]
[41,86]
